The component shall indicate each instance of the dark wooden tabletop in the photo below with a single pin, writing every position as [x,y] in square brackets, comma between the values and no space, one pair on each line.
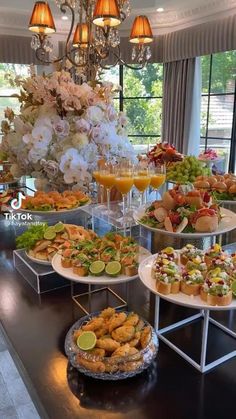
[170,389]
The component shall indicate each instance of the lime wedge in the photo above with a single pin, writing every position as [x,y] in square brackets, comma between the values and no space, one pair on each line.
[50,233]
[97,267]
[59,227]
[87,341]
[233,287]
[113,268]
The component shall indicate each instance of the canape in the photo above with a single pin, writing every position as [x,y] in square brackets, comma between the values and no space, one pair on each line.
[192,282]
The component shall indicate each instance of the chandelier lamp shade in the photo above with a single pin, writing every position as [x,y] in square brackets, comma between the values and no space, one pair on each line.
[81,36]
[106,13]
[93,40]
[41,19]
[141,32]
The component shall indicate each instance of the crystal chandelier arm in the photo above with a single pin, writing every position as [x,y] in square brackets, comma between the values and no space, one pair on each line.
[120,61]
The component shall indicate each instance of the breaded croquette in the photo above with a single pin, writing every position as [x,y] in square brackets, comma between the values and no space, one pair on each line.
[121,351]
[145,337]
[117,320]
[110,345]
[107,313]
[135,341]
[123,334]
[94,324]
[94,366]
[132,320]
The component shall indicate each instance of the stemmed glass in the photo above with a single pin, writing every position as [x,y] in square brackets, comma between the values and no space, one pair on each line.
[142,180]
[108,179]
[124,182]
[96,176]
[158,177]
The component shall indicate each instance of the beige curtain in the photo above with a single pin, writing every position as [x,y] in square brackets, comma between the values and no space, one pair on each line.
[181,107]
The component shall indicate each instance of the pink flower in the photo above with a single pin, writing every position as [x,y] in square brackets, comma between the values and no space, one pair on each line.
[61,127]
[82,125]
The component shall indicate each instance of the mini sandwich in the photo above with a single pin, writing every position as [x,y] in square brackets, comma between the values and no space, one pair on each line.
[189,252]
[192,282]
[216,289]
[197,263]
[170,254]
[168,277]
[205,220]
[213,252]
[195,197]
[81,265]
[216,293]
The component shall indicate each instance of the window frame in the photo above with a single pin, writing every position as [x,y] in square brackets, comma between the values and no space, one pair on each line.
[232,139]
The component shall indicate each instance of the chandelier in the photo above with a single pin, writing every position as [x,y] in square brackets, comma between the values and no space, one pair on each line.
[93,40]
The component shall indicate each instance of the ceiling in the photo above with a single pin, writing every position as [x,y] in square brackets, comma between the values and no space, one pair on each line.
[178,14]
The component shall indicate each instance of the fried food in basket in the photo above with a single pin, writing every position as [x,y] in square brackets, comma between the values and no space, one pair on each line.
[121,339]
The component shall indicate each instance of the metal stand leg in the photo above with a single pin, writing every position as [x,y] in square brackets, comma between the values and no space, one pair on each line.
[204,339]
[205,314]
[89,294]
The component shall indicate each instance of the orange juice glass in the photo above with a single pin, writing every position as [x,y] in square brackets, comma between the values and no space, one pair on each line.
[158,177]
[107,179]
[141,182]
[124,183]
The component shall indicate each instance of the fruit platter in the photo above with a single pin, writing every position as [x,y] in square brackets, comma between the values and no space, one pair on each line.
[186,171]
[191,276]
[222,187]
[190,214]
[112,258]
[209,155]
[42,242]
[54,201]
[164,153]
[111,345]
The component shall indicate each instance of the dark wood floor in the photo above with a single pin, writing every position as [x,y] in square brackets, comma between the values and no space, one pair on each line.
[171,389]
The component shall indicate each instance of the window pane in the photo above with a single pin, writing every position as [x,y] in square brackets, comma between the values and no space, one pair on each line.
[144,116]
[13,70]
[111,75]
[205,72]
[145,82]
[222,147]
[221,116]
[223,72]
[204,104]
[8,102]
[143,144]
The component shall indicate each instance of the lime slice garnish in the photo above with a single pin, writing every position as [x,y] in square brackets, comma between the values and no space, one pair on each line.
[233,287]
[50,233]
[87,341]
[97,267]
[59,227]
[113,268]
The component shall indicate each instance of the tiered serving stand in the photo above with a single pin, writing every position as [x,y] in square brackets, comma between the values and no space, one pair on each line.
[94,216]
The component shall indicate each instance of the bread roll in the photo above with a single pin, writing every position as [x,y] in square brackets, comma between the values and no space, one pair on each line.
[190,289]
[207,224]
[194,200]
[232,189]
[220,187]
[168,202]
[216,300]
[202,184]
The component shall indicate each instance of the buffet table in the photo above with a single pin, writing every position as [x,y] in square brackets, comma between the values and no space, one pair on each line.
[35,327]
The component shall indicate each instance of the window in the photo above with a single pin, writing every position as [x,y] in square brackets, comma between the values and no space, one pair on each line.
[141,100]
[6,90]
[217,106]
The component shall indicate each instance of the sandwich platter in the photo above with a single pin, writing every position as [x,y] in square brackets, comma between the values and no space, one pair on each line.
[227,223]
[55,212]
[96,280]
[39,261]
[145,274]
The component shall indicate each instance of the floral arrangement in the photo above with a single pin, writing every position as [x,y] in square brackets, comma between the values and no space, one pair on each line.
[62,130]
